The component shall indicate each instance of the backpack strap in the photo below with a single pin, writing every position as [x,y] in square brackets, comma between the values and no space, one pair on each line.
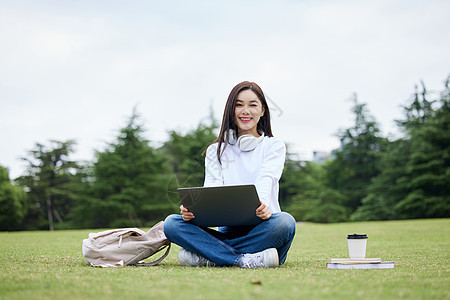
[154,263]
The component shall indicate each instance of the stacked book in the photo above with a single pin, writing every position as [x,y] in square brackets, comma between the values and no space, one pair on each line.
[362,263]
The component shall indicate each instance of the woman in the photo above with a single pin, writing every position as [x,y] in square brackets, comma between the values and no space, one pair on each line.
[244,153]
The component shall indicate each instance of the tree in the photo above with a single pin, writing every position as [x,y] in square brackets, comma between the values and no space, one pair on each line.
[428,165]
[185,152]
[414,181]
[13,203]
[418,112]
[129,183]
[314,201]
[387,188]
[292,180]
[48,182]
[357,161]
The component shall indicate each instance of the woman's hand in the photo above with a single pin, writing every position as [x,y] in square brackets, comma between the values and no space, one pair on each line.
[186,214]
[263,211]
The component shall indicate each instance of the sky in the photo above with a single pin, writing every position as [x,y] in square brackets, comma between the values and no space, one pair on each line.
[76,69]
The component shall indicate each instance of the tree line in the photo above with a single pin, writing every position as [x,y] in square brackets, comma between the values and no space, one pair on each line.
[132,183]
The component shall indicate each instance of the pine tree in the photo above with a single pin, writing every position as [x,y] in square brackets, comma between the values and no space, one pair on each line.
[50,176]
[428,165]
[414,181]
[129,183]
[186,152]
[387,188]
[357,161]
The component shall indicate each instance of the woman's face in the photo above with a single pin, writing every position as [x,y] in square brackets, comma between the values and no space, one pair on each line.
[247,112]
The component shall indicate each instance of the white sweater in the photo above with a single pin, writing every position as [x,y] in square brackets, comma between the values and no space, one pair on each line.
[262,167]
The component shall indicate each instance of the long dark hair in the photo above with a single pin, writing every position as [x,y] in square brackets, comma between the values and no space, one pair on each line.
[228,120]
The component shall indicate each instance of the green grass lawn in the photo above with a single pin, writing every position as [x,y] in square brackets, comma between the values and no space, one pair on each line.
[49,265]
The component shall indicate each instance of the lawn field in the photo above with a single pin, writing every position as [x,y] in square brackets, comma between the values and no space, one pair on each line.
[49,265]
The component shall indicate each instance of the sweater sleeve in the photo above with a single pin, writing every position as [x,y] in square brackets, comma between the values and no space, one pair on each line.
[270,172]
[213,169]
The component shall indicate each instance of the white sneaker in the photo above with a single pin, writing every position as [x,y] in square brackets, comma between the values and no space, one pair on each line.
[264,259]
[190,259]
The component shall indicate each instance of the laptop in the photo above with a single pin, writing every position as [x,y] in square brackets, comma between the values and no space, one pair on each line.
[222,206]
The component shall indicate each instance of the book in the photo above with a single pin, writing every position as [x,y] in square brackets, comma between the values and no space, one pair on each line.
[355,260]
[377,265]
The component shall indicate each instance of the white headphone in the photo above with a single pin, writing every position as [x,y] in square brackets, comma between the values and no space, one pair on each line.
[246,142]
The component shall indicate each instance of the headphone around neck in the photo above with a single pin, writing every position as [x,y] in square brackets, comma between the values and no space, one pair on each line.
[246,142]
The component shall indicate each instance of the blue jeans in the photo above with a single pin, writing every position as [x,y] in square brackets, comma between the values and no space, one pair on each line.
[227,245]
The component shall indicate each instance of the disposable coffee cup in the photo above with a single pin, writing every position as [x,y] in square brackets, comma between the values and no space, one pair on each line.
[357,245]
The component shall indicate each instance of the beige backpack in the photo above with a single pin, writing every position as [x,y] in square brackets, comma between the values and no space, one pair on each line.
[123,247]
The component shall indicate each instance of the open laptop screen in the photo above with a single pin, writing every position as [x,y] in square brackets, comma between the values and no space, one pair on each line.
[222,206]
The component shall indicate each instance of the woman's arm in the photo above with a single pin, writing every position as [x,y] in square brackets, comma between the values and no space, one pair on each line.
[213,169]
[271,170]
